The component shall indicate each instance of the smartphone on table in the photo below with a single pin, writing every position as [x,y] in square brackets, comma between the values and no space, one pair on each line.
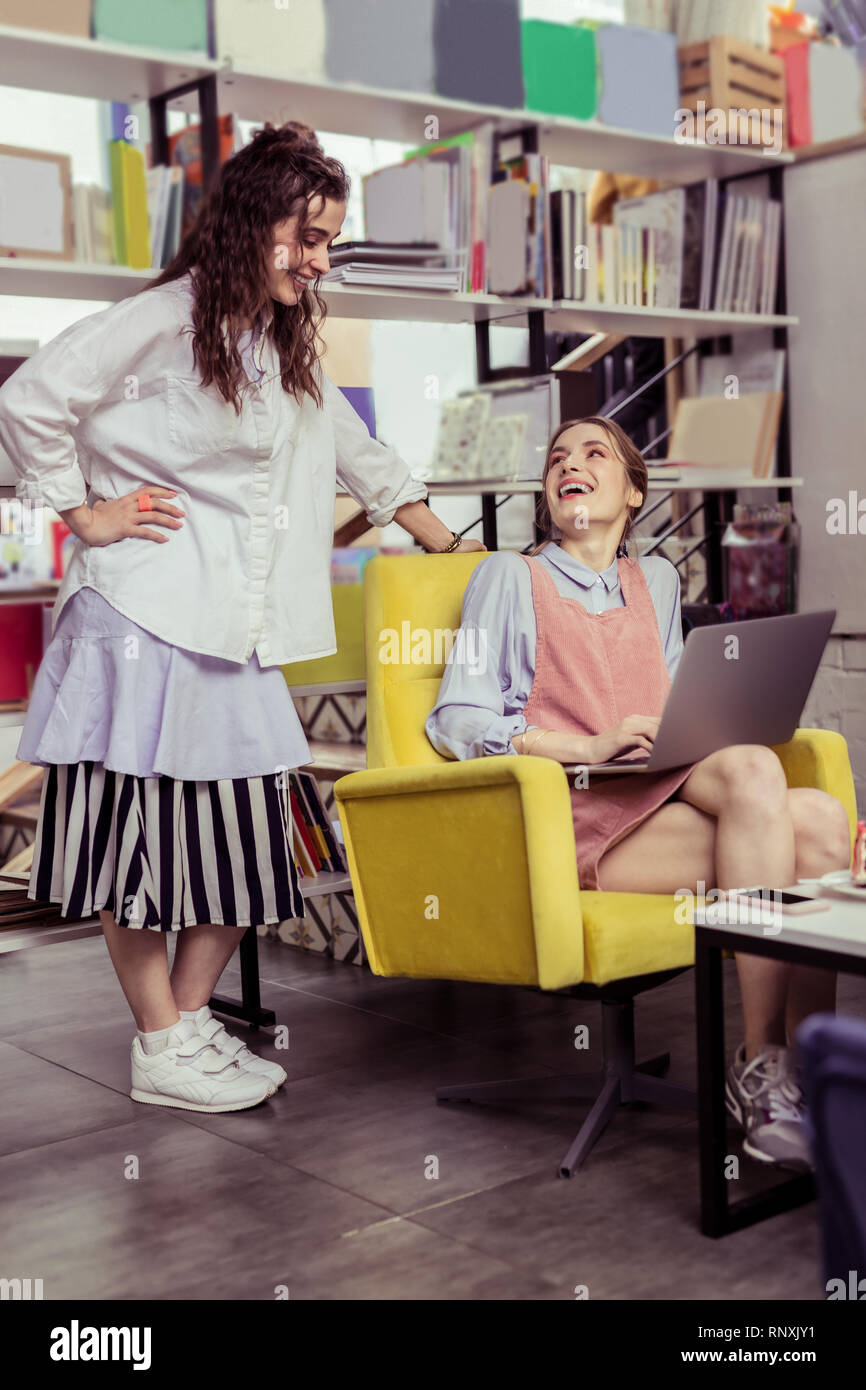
[783,899]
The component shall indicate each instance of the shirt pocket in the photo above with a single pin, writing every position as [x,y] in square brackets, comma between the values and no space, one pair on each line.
[200,422]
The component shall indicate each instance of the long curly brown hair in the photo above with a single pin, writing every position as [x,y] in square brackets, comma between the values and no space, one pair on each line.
[628,454]
[229,247]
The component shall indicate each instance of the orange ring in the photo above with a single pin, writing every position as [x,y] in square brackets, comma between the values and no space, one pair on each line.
[144,502]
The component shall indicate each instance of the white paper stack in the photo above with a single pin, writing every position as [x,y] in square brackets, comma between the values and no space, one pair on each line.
[397,266]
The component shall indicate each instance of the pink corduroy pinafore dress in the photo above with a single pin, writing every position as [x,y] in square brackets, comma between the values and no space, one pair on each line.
[591,671]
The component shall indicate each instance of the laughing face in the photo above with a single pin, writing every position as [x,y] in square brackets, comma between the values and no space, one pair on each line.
[587,486]
[294,265]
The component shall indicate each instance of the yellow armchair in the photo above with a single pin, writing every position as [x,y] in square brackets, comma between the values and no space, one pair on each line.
[466,870]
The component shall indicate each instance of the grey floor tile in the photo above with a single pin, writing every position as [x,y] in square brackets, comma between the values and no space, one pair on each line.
[322,1035]
[378,1132]
[204,1218]
[627,1228]
[65,982]
[401,1261]
[41,1102]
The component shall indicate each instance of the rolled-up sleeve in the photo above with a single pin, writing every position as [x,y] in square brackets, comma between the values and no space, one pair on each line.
[371,472]
[489,674]
[52,392]
[40,405]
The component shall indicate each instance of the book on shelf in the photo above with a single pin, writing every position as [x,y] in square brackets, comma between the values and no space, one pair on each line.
[165,211]
[315,846]
[91,219]
[681,248]
[567,234]
[437,194]
[476,212]
[748,259]
[737,434]
[141,221]
[407,266]
[469,157]
[519,226]
[129,222]
[664,470]
[184,149]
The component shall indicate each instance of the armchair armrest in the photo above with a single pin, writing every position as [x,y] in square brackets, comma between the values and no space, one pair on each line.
[466,870]
[819,758]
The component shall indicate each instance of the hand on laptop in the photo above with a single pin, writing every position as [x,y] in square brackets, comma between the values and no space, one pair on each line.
[634,733]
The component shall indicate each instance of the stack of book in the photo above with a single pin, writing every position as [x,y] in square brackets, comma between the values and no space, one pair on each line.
[141,221]
[748,261]
[315,846]
[519,232]
[404,265]
[437,194]
[165,189]
[694,247]
[684,248]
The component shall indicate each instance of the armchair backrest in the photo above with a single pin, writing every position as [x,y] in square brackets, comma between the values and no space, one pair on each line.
[412,607]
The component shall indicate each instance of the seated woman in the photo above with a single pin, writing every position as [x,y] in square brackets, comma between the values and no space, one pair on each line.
[581,645]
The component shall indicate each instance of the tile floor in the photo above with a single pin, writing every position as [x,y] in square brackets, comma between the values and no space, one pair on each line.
[351,1183]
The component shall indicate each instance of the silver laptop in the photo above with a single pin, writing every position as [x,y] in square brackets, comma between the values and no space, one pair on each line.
[725,691]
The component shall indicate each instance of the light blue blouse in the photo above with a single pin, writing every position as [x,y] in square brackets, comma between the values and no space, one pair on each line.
[489,676]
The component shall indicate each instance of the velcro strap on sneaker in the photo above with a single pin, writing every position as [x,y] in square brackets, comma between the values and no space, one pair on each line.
[193,1051]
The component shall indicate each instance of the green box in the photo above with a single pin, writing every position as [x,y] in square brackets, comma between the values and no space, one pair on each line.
[559,68]
[168,24]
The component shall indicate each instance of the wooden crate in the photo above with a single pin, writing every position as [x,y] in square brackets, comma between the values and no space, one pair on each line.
[727,75]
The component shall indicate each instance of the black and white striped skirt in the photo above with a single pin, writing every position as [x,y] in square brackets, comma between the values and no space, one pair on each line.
[162,853]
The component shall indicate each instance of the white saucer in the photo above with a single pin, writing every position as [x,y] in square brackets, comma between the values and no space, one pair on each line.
[839,881]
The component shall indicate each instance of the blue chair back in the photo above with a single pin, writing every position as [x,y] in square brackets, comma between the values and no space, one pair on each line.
[833,1057]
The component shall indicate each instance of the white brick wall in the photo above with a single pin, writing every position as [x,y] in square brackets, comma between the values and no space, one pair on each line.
[837,701]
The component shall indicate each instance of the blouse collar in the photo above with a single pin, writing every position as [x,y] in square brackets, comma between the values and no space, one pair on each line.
[580,573]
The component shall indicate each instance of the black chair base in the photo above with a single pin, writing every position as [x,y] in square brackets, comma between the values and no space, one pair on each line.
[621,1081]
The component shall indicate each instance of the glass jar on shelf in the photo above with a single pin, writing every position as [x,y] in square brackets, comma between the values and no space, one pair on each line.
[761,550]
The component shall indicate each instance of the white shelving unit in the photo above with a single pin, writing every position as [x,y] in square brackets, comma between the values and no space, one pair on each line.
[690,480]
[41,61]
[35,59]
[77,280]
[118,72]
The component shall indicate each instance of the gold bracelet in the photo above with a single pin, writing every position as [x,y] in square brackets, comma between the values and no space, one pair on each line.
[540,737]
[534,741]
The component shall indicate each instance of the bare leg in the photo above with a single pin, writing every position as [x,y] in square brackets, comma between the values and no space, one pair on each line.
[200,957]
[823,843]
[678,846]
[770,835]
[140,959]
[744,787]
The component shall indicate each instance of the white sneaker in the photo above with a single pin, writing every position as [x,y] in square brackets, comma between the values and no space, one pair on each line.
[192,1074]
[216,1032]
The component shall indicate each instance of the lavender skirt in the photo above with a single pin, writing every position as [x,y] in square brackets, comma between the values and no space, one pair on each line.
[164,800]
[107,691]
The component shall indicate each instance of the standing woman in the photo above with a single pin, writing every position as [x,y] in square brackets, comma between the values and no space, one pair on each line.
[191,441]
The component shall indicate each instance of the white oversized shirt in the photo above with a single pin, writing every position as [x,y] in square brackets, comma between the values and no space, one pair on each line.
[115,402]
